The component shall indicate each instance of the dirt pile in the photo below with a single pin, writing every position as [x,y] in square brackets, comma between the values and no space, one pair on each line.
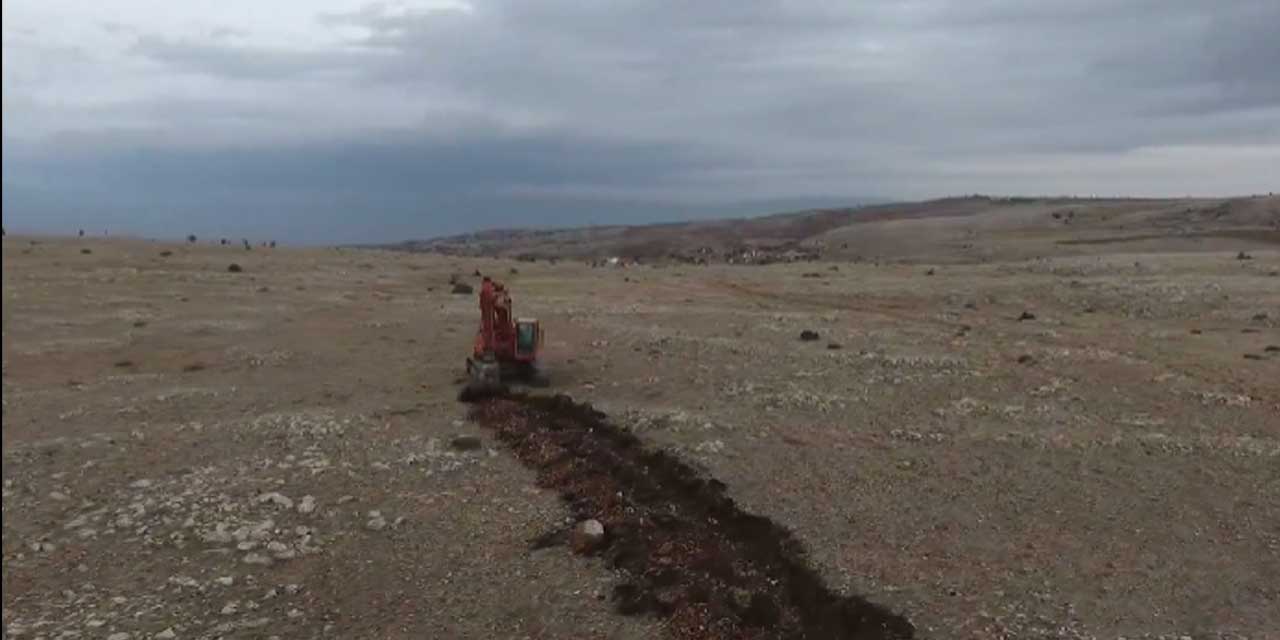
[683,548]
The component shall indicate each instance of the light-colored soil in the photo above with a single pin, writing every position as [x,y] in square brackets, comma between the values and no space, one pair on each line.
[1109,468]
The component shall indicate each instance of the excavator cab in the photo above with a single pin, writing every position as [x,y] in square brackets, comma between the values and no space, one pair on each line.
[528,339]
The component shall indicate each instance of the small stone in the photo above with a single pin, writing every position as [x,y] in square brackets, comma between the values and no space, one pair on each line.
[1026,359]
[1026,315]
[280,550]
[140,484]
[346,499]
[234,268]
[59,496]
[119,635]
[271,594]
[95,623]
[377,523]
[225,581]
[294,614]
[587,536]
[834,346]
[256,558]
[808,335]
[167,634]
[307,504]
[276,498]
[231,608]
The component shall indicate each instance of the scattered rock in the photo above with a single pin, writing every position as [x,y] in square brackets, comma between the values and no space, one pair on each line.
[167,634]
[466,443]
[86,251]
[225,581]
[929,272]
[193,367]
[1260,317]
[1271,348]
[462,287]
[808,335]
[138,324]
[141,484]
[123,364]
[834,346]
[59,496]
[811,274]
[587,536]
[1252,356]
[119,635]
[970,305]
[376,521]
[1026,315]
[1196,332]
[1243,256]
[234,268]
[165,254]
[307,504]
[1026,359]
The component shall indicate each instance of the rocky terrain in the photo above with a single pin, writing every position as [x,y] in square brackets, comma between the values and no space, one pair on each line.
[1081,443]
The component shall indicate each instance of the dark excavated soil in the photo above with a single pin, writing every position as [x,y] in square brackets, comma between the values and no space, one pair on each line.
[683,549]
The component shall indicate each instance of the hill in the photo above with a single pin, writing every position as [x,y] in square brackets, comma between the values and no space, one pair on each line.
[961,229]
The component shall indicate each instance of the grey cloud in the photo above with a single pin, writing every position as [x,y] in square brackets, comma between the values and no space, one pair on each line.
[619,102]
[220,59]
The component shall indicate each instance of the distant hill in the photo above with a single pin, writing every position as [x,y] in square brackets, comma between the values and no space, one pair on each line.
[970,228]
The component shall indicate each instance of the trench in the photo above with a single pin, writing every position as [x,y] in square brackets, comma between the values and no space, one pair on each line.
[682,549]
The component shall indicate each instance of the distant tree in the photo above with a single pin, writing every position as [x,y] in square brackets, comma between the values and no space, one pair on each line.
[82,233]
[273,244]
[247,246]
[224,242]
[191,238]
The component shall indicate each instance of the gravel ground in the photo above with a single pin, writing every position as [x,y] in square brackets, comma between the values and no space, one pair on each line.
[195,453]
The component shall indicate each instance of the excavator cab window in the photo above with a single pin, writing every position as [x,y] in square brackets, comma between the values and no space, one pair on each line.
[526,337]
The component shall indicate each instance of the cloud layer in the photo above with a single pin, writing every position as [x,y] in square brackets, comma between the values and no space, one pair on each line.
[509,112]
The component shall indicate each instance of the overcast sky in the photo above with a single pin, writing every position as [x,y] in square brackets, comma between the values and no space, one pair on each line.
[336,120]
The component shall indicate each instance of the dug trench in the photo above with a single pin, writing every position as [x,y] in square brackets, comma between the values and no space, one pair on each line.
[681,547]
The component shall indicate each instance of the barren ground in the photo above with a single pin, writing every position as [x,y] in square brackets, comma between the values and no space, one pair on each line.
[193,453]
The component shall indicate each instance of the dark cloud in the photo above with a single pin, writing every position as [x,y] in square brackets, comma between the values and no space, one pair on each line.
[667,101]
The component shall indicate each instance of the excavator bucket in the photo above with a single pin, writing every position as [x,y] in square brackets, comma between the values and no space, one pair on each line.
[484,380]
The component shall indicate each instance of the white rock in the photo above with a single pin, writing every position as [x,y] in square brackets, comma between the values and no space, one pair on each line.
[276,498]
[226,581]
[167,634]
[256,558]
[307,505]
[119,635]
[95,623]
[271,594]
[294,613]
[59,496]
[231,608]
[140,484]
[587,536]
[280,550]
[376,524]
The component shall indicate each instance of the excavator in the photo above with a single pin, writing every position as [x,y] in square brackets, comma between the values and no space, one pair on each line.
[506,348]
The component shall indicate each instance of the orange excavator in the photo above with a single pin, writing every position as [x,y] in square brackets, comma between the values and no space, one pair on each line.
[506,348]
